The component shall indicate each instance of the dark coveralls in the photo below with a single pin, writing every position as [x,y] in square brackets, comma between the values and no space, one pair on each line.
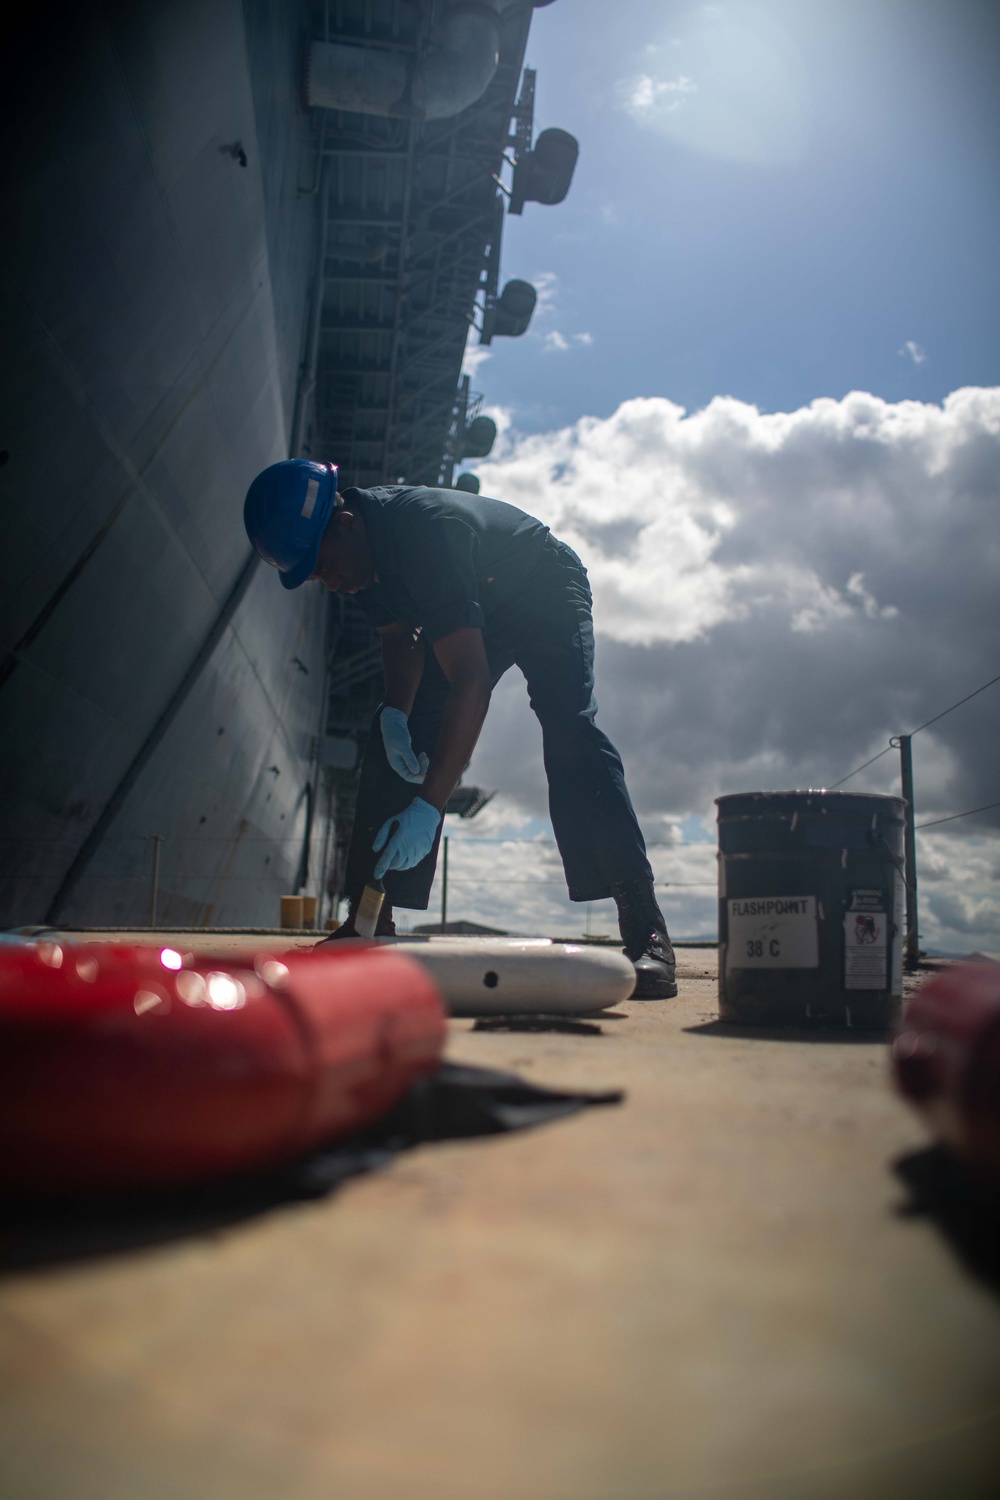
[445,559]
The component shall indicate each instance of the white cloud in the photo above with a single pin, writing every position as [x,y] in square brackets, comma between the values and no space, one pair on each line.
[775,595]
[912,350]
[553,340]
[504,420]
[474,357]
[504,870]
[546,284]
[743,92]
[856,587]
[645,94]
[556,342]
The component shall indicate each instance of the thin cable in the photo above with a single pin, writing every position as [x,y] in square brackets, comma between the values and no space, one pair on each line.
[523,880]
[927,725]
[935,821]
[871,762]
[956,705]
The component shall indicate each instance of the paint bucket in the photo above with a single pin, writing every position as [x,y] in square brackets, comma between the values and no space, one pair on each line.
[811,909]
[291,911]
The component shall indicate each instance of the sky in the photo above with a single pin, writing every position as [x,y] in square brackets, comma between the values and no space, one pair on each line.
[761,398]
[773,201]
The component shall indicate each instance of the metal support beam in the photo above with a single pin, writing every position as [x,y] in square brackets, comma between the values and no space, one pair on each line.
[911,951]
[326,327]
[397,331]
[420,356]
[444,884]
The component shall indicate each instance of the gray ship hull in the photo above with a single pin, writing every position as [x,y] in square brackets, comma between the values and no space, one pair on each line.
[154,302]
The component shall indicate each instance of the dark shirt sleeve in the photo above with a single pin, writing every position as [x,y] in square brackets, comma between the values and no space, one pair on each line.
[376,609]
[437,556]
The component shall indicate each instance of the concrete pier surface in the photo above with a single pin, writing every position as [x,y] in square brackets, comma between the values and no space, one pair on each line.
[705,1293]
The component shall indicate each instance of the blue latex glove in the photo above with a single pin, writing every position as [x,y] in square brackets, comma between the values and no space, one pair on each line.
[396,739]
[406,837]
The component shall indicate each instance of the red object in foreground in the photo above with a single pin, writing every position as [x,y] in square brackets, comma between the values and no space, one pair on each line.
[125,1066]
[946,1059]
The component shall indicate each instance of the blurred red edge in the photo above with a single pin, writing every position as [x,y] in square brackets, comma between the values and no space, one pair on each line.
[125,1066]
[946,1060]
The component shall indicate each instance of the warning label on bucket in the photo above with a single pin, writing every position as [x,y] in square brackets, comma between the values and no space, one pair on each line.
[866,950]
[773,932]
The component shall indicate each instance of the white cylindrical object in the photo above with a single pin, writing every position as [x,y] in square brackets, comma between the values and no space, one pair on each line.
[453,73]
[497,977]
[360,79]
[460,69]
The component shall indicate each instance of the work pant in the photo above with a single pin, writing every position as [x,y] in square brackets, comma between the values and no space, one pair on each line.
[548,632]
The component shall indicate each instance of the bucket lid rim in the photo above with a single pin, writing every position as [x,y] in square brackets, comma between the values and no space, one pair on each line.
[812,794]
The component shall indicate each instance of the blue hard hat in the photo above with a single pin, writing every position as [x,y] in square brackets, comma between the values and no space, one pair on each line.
[286,512]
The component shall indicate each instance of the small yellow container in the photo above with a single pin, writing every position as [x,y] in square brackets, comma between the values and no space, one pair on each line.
[309,906]
[291,911]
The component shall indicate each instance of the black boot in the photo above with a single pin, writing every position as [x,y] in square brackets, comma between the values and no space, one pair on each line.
[384,927]
[644,933]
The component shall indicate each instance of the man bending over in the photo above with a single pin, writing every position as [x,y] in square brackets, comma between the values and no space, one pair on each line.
[460,587]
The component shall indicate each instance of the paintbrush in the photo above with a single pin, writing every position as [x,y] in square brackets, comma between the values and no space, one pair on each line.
[369,909]
[370,905]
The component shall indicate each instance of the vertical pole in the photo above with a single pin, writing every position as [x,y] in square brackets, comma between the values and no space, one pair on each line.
[330,827]
[444,886]
[911,950]
[154,880]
